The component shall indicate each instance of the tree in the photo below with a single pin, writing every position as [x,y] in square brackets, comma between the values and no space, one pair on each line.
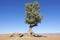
[32,15]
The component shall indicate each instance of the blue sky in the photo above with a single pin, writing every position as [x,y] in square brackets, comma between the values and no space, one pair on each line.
[12,15]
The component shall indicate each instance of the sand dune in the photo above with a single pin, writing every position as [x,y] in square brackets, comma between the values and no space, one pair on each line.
[45,37]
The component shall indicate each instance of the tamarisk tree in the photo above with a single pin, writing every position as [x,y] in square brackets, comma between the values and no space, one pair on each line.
[32,15]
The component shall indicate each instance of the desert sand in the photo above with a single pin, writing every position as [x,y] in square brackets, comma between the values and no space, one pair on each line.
[44,37]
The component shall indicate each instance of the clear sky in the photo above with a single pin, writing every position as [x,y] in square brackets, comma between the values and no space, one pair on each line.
[12,15]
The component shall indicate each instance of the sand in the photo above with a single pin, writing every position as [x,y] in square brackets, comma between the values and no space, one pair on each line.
[45,37]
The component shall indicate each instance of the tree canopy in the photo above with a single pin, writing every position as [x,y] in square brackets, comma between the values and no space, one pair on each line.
[32,13]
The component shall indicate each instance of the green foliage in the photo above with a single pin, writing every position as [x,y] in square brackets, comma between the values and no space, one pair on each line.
[30,21]
[32,13]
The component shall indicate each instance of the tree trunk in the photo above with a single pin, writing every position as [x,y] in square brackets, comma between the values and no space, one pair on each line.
[30,30]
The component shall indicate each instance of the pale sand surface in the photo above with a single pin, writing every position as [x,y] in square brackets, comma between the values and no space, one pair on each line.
[46,37]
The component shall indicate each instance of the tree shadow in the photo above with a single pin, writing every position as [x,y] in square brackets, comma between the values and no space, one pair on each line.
[39,36]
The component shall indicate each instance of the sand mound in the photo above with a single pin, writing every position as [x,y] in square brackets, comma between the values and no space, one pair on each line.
[14,38]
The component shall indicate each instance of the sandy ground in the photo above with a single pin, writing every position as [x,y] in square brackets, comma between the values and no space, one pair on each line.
[45,37]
